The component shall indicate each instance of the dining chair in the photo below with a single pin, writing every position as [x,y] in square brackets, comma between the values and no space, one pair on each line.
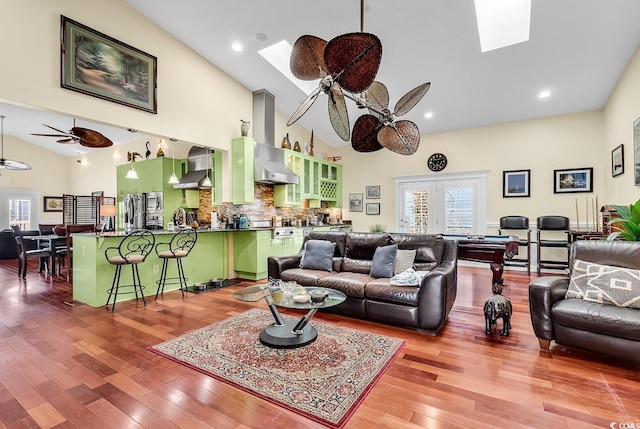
[65,254]
[24,254]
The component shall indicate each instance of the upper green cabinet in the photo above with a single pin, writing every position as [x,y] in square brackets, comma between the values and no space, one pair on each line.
[319,181]
[242,170]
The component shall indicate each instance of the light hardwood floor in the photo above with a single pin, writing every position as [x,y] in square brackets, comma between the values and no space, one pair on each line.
[76,366]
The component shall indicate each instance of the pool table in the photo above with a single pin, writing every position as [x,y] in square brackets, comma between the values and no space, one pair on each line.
[487,248]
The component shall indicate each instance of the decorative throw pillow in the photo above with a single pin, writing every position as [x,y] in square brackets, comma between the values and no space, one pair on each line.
[318,255]
[404,260]
[605,284]
[383,261]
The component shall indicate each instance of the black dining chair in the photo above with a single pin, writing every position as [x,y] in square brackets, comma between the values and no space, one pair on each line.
[65,253]
[132,251]
[24,253]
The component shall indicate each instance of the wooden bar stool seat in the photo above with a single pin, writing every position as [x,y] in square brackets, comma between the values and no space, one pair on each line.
[132,251]
[177,249]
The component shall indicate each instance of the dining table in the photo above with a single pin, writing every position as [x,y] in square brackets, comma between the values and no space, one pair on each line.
[50,241]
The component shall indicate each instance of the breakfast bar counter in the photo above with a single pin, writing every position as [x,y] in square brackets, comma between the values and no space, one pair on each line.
[93,275]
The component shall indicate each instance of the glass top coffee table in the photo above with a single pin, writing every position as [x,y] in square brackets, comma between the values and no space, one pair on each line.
[288,334]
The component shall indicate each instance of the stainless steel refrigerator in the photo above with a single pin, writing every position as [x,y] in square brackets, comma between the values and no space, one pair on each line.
[134,211]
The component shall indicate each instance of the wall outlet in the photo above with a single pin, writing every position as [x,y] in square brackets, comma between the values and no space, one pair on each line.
[156,269]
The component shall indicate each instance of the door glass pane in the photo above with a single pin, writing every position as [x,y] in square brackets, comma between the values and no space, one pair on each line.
[417,210]
[459,210]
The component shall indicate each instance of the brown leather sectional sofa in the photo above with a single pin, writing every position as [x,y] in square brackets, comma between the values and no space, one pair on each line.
[424,308]
[601,328]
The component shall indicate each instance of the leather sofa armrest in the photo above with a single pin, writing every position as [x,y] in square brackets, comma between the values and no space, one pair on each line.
[436,296]
[544,292]
[277,264]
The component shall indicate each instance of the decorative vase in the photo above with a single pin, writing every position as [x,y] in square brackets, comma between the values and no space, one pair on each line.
[286,144]
[296,147]
[244,128]
[311,145]
[160,152]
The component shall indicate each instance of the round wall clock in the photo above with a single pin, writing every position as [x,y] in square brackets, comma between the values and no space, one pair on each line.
[437,162]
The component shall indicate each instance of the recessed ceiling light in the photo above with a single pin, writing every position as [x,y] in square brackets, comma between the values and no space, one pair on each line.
[236,47]
[502,22]
[428,115]
[544,94]
[278,56]
[261,37]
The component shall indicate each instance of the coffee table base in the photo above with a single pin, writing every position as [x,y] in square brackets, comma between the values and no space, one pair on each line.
[283,337]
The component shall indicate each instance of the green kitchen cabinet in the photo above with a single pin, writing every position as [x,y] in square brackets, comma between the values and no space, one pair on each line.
[311,178]
[331,183]
[290,194]
[250,252]
[242,170]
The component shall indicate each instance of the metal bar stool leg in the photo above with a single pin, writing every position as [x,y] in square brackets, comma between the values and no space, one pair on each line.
[163,277]
[181,277]
[135,267]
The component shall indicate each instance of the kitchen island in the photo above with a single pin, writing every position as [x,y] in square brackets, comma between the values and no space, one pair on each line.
[93,275]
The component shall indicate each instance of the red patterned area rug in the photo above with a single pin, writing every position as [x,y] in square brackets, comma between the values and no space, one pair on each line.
[324,381]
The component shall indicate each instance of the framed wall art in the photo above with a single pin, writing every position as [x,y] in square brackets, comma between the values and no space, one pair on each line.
[516,183]
[373,192]
[355,202]
[636,152]
[373,208]
[52,204]
[617,161]
[573,180]
[95,64]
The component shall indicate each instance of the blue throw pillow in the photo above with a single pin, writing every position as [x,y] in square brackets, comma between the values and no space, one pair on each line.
[383,261]
[318,255]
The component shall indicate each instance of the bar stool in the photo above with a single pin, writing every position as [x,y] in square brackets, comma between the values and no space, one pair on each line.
[177,249]
[519,225]
[552,232]
[132,250]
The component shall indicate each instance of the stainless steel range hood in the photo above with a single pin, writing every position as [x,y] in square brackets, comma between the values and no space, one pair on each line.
[269,165]
[199,162]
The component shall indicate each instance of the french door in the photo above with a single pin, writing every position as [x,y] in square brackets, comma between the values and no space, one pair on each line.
[442,203]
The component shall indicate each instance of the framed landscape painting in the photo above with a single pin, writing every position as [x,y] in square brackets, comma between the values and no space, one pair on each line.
[52,204]
[573,180]
[373,208]
[98,65]
[516,183]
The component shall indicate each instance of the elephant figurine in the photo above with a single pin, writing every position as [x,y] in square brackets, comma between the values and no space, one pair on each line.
[495,308]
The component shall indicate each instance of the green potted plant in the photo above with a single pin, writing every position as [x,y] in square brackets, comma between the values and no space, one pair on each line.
[628,222]
[377,227]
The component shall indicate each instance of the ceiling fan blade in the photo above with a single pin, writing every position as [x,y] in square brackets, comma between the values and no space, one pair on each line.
[353,60]
[377,96]
[307,58]
[65,141]
[13,165]
[306,104]
[365,134]
[410,99]
[403,137]
[55,129]
[338,114]
[91,138]
[49,135]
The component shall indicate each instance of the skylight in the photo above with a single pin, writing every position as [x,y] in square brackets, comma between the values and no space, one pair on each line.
[278,55]
[502,22]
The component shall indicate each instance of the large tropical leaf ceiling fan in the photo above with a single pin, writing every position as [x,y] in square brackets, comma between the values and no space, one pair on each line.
[347,66]
[83,136]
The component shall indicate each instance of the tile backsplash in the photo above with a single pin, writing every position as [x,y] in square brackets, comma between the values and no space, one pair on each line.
[263,208]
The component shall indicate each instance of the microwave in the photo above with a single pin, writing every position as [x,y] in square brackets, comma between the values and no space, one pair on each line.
[154,203]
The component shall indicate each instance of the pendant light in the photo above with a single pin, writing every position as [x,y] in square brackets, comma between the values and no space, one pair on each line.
[131,174]
[7,163]
[207,181]
[173,179]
